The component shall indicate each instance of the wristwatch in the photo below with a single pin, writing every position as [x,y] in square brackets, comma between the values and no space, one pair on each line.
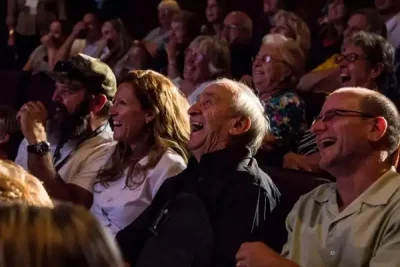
[41,148]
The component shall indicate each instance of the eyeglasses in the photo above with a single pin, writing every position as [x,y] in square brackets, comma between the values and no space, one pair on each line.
[197,57]
[332,113]
[267,59]
[349,58]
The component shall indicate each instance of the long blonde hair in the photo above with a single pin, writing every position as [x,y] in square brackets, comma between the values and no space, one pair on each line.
[18,186]
[62,236]
[170,128]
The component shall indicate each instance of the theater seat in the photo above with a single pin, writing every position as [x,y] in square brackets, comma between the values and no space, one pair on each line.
[313,103]
[292,184]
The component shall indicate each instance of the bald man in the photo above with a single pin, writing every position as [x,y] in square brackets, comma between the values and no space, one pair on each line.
[355,221]
[201,216]
[238,32]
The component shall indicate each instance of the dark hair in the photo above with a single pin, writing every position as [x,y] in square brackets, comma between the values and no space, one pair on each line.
[378,51]
[376,104]
[9,125]
[190,22]
[376,24]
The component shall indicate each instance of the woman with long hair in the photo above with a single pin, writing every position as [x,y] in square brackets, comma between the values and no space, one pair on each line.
[152,128]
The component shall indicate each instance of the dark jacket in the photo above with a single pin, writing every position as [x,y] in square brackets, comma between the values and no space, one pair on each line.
[238,195]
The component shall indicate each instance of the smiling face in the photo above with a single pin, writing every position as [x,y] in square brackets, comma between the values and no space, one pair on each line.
[110,34]
[196,66]
[339,143]
[355,71]
[212,11]
[128,117]
[211,119]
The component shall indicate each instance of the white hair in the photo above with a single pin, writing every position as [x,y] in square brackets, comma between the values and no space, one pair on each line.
[247,104]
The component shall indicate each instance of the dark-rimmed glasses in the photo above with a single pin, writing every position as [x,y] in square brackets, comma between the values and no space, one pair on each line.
[332,113]
[350,58]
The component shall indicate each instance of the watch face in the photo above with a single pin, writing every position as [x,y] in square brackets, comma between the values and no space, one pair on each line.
[42,147]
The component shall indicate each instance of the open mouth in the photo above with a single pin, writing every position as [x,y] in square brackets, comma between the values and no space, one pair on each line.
[327,142]
[117,124]
[345,77]
[196,126]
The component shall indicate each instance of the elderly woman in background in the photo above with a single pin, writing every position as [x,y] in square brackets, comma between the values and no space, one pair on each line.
[44,57]
[206,59]
[215,14]
[276,72]
[185,27]
[159,36]
[62,236]
[18,186]
[152,128]
[291,26]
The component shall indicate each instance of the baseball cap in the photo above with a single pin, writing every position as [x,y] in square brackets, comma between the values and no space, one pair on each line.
[94,75]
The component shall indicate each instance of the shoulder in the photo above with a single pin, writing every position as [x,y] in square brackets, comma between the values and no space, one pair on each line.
[38,51]
[170,163]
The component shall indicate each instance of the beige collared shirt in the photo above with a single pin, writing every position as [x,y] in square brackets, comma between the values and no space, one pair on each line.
[366,233]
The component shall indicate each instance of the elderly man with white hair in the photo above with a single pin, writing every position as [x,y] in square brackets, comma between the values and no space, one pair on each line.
[355,221]
[201,216]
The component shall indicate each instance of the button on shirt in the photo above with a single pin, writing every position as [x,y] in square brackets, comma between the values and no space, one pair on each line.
[116,206]
[366,233]
[83,161]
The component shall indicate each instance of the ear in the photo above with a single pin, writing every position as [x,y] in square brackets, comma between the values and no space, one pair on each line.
[377,71]
[378,129]
[240,126]
[97,103]
[149,116]
[4,139]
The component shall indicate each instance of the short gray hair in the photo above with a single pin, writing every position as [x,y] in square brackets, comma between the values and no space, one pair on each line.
[292,54]
[216,51]
[247,104]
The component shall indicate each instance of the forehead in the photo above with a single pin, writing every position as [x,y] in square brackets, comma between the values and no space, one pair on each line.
[55,25]
[233,18]
[342,100]
[359,21]
[270,49]
[351,48]
[89,18]
[222,92]
[107,26]
[212,2]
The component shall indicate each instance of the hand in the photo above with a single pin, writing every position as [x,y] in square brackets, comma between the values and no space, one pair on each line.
[47,40]
[78,28]
[171,48]
[258,254]
[32,119]
[296,162]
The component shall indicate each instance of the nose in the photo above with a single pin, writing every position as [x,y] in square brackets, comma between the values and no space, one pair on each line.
[318,127]
[194,109]
[56,96]
[112,111]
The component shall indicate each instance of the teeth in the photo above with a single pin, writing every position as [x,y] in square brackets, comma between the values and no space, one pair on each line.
[326,142]
[196,126]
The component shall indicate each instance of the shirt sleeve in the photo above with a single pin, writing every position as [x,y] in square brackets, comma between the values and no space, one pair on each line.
[22,155]
[387,253]
[86,177]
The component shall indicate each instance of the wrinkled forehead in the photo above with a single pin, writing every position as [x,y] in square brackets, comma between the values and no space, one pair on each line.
[222,92]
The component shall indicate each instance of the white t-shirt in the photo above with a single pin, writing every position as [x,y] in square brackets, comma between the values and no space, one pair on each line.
[83,162]
[117,206]
[393,29]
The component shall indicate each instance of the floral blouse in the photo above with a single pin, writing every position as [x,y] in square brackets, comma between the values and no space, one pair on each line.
[286,113]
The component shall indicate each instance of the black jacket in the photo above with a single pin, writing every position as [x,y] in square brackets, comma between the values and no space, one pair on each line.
[238,195]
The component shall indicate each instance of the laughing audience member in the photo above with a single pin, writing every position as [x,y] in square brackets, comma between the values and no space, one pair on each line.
[85,38]
[152,130]
[19,186]
[355,220]
[367,61]
[276,71]
[215,14]
[238,32]
[66,150]
[324,77]
[72,237]
[201,216]
[206,59]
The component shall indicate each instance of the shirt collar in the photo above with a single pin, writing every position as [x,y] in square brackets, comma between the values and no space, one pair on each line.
[379,193]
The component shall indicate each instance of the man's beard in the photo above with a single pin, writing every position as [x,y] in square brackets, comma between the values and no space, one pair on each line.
[70,126]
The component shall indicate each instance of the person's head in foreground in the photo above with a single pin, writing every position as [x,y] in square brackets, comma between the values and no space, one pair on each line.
[357,127]
[226,114]
[367,61]
[278,65]
[149,116]
[237,28]
[18,186]
[62,236]
[85,88]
